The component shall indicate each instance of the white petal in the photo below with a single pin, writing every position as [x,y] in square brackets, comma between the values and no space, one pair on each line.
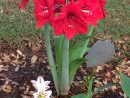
[47,87]
[47,83]
[40,80]
[35,95]
[41,89]
[48,93]
[48,97]
[34,83]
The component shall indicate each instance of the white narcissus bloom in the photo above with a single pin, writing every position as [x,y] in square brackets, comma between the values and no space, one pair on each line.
[42,88]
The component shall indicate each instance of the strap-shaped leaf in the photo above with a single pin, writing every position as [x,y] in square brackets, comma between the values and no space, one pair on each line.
[75,52]
[74,65]
[125,84]
[103,87]
[58,51]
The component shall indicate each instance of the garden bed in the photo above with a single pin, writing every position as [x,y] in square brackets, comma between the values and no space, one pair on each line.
[18,68]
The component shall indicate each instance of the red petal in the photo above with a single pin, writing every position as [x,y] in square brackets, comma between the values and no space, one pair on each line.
[58,28]
[23,4]
[43,12]
[41,23]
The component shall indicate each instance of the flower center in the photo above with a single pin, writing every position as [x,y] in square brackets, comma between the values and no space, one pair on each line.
[41,95]
[71,15]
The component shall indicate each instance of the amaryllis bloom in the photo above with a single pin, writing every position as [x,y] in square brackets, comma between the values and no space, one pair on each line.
[43,11]
[23,4]
[102,4]
[69,21]
[60,2]
[42,88]
[92,10]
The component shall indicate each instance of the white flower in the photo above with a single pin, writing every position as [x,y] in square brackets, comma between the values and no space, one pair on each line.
[45,94]
[41,86]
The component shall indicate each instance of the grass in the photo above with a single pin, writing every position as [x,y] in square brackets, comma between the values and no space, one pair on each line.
[17,26]
[117,21]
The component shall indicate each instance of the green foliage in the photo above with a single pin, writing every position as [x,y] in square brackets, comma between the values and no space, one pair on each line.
[125,84]
[89,80]
[103,87]
[50,58]
[73,67]
[76,51]
[58,51]
[79,96]
[64,82]
[89,84]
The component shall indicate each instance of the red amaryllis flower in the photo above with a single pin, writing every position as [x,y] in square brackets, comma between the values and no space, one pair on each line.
[23,4]
[43,11]
[60,1]
[69,21]
[102,4]
[91,11]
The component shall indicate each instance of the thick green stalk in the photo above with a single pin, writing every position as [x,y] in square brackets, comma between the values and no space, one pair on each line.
[90,32]
[51,59]
[64,83]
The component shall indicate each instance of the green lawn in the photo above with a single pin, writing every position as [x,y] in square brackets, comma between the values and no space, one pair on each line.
[16,26]
[118,18]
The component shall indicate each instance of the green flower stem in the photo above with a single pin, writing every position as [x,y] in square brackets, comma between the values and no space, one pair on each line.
[90,32]
[89,92]
[64,83]
[51,59]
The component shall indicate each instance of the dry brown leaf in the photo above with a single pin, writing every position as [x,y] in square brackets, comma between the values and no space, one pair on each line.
[34,59]
[26,90]
[6,58]
[1,67]
[17,68]
[99,68]
[25,96]
[128,62]
[0,61]
[128,71]
[108,74]
[114,88]
[19,52]
[7,88]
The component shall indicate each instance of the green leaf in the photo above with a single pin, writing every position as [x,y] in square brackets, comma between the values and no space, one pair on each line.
[103,87]
[75,52]
[73,67]
[90,32]
[125,84]
[58,51]
[64,82]
[50,58]
[79,96]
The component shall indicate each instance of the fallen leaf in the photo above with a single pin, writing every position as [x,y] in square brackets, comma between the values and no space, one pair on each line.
[20,53]
[34,59]
[6,88]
